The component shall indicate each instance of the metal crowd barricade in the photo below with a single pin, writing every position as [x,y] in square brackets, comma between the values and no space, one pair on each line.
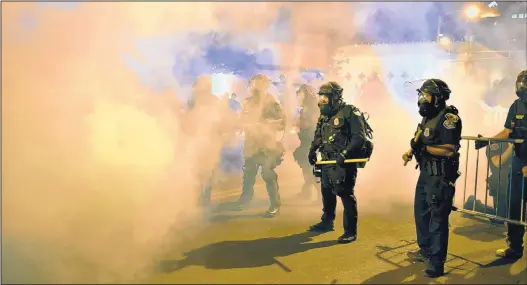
[496,203]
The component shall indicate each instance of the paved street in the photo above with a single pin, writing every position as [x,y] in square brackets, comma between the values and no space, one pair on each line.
[242,247]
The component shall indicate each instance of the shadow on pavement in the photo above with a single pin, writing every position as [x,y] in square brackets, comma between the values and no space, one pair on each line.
[481,232]
[458,270]
[413,274]
[224,217]
[246,254]
[227,211]
[232,206]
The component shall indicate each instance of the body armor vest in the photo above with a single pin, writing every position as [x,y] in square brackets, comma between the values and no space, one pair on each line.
[335,135]
[430,134]
[446,167]
[519,129]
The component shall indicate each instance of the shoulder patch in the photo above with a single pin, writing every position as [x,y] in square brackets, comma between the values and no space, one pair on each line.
[450,121]
[494,146]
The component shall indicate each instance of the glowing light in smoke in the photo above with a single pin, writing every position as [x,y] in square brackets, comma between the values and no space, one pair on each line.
[221,83]
[472,12]
[445,41]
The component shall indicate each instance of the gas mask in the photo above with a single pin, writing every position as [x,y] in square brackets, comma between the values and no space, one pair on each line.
[325,104]
[429,109]
[521,90]
[258,86]
[255,93]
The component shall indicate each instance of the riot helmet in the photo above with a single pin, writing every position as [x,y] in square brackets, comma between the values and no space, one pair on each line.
[432,97]
[521,86]
[330,98]
[259,84]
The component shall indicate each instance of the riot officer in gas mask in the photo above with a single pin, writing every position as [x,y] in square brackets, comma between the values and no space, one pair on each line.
[338,136]
[516,128]
[263,121]
[306,125]
[435,146]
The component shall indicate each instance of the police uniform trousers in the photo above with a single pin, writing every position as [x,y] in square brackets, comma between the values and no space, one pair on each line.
[515,233]
[432,207]
[339,181]
[499,193]
[268,163]
[301,157]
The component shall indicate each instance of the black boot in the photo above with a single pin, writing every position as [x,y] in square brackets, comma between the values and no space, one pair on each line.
[322,227]
[509,253]
[434,270]
[347,238]
[274,197]
[272,211]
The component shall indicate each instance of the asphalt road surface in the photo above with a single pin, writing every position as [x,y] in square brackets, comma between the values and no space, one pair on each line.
[243,247]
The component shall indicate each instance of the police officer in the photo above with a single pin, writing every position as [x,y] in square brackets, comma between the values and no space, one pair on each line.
[263,120]
[497,183]
[338,136]
[435,146]
[500,159]
[306,124]
[202,102]
[515,128]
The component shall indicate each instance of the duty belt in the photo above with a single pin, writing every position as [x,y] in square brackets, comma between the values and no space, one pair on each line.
[435,167]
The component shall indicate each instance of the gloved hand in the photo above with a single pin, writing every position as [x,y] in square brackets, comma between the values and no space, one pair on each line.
[340,159]
[407,157]
[312,157]
[481,144]
[416,146]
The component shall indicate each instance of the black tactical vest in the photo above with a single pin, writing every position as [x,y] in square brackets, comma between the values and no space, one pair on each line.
[336,133]
[430,134]
[519,128]
[446,167]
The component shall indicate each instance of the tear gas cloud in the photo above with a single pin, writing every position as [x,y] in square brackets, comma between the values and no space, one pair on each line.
[101,174]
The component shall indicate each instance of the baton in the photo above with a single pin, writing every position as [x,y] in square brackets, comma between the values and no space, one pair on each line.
[353,160]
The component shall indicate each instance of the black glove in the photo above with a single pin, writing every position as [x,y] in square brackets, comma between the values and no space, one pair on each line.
[312,157]
[416,146]
[481,144]
[340,159]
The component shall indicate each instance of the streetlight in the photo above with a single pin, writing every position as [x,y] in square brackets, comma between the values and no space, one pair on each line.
[471,12]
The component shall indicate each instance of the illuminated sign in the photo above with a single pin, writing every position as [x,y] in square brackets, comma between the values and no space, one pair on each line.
[519,16]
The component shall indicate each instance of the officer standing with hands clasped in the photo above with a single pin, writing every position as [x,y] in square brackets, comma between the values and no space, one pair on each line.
[435,146]
[339,135]
[515,128]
